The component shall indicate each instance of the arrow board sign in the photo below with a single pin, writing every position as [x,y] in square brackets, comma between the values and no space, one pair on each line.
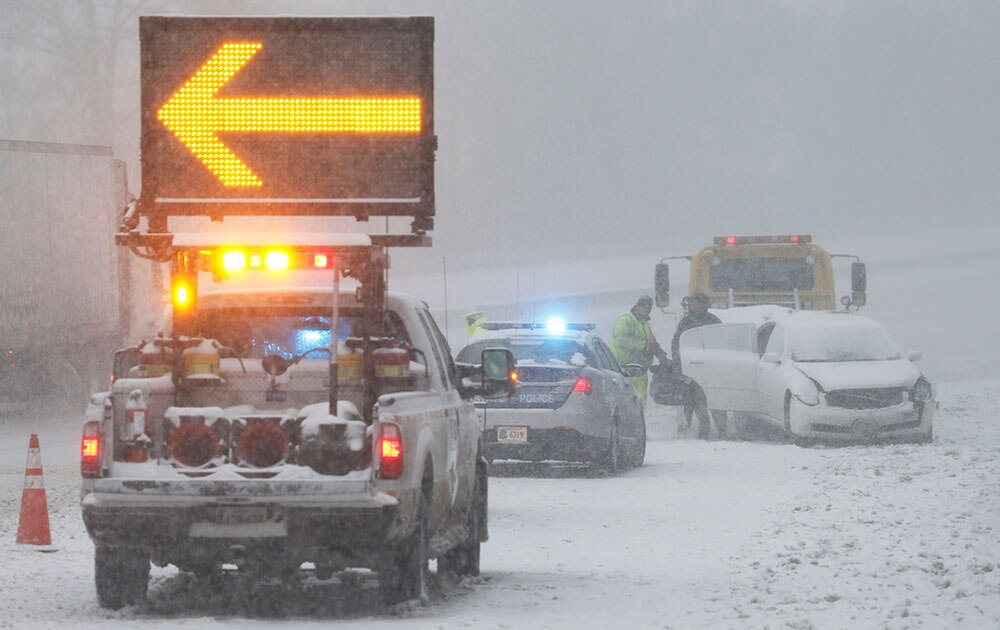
[288,116]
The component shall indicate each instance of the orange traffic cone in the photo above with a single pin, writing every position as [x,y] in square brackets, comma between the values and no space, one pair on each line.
[34,526]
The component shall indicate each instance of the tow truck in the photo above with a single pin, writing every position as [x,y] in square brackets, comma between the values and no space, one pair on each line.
[277,428]
[789,270]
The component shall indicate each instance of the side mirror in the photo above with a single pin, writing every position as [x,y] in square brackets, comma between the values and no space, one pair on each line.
[633,370]
[499,373]
[662,284]
[913,355]
[771,357]
[124,361]
[859,284]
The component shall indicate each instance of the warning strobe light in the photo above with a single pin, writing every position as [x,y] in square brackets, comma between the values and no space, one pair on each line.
[234,260]
[182,294]
[555,325]
[276,261]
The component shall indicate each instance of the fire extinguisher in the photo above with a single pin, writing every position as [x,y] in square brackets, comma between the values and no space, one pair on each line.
[137,442]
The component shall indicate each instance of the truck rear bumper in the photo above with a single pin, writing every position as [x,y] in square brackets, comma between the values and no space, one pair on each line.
[186,526]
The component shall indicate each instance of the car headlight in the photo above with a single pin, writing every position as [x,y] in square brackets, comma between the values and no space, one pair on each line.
[807,393]
[921,391]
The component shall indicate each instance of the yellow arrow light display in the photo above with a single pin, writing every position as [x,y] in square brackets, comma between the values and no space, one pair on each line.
[195,115]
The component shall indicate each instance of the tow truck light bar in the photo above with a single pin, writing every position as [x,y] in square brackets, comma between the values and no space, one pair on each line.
[273,260]
[759,240]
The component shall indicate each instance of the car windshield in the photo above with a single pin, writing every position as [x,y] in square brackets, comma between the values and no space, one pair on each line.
[836,344]
[761,274]
[530,350]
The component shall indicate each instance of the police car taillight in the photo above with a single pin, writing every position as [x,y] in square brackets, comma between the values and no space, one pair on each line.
[90,450]
[583,385]
[390,450]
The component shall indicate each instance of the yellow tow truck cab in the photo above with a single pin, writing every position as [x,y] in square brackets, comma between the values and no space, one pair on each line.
[788,270]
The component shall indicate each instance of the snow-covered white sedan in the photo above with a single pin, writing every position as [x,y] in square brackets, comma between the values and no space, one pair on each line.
[829,376]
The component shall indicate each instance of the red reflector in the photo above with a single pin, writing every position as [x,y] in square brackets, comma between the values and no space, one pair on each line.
[794,239]
[730,240]
[136,454]
[583,385]
[193,444]
[261,445]
[90,450]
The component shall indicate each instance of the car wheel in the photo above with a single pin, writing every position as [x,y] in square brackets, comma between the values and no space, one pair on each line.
[639,452]
[788,417]
[121,575]
[926,438]
[612,458]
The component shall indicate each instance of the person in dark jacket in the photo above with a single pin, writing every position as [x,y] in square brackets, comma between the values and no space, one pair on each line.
[697,315]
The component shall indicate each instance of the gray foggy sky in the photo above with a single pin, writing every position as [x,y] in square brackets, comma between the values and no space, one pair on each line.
[608,128]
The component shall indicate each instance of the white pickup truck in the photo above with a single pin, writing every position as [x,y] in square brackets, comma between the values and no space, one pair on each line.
[220,450]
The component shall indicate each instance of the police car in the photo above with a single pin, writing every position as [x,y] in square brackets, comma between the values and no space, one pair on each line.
[572,402]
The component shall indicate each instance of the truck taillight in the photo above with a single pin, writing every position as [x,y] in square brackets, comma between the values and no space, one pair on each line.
[583,385]
[390,449]
[90,450]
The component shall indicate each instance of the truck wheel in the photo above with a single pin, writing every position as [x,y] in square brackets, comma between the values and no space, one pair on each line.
[403,576]
[464,559]
[121,575]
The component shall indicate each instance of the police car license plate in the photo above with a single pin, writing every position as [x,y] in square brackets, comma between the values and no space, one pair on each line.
[512,435]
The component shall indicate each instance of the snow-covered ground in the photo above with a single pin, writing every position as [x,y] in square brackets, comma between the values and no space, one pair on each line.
[740,534]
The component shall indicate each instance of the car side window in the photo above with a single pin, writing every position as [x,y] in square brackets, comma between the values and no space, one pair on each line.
[729,337]
[691,338]
[776,343]
[764,336]
[604,353]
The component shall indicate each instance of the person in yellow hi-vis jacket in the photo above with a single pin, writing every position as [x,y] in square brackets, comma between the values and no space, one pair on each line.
[474,321]
[632,341]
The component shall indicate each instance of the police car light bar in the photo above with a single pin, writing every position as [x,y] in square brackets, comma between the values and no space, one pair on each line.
[759,240]
[533,326]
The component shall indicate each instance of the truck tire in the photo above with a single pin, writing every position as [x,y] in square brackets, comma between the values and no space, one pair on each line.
[403,573]
[464,559]
[121,575]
